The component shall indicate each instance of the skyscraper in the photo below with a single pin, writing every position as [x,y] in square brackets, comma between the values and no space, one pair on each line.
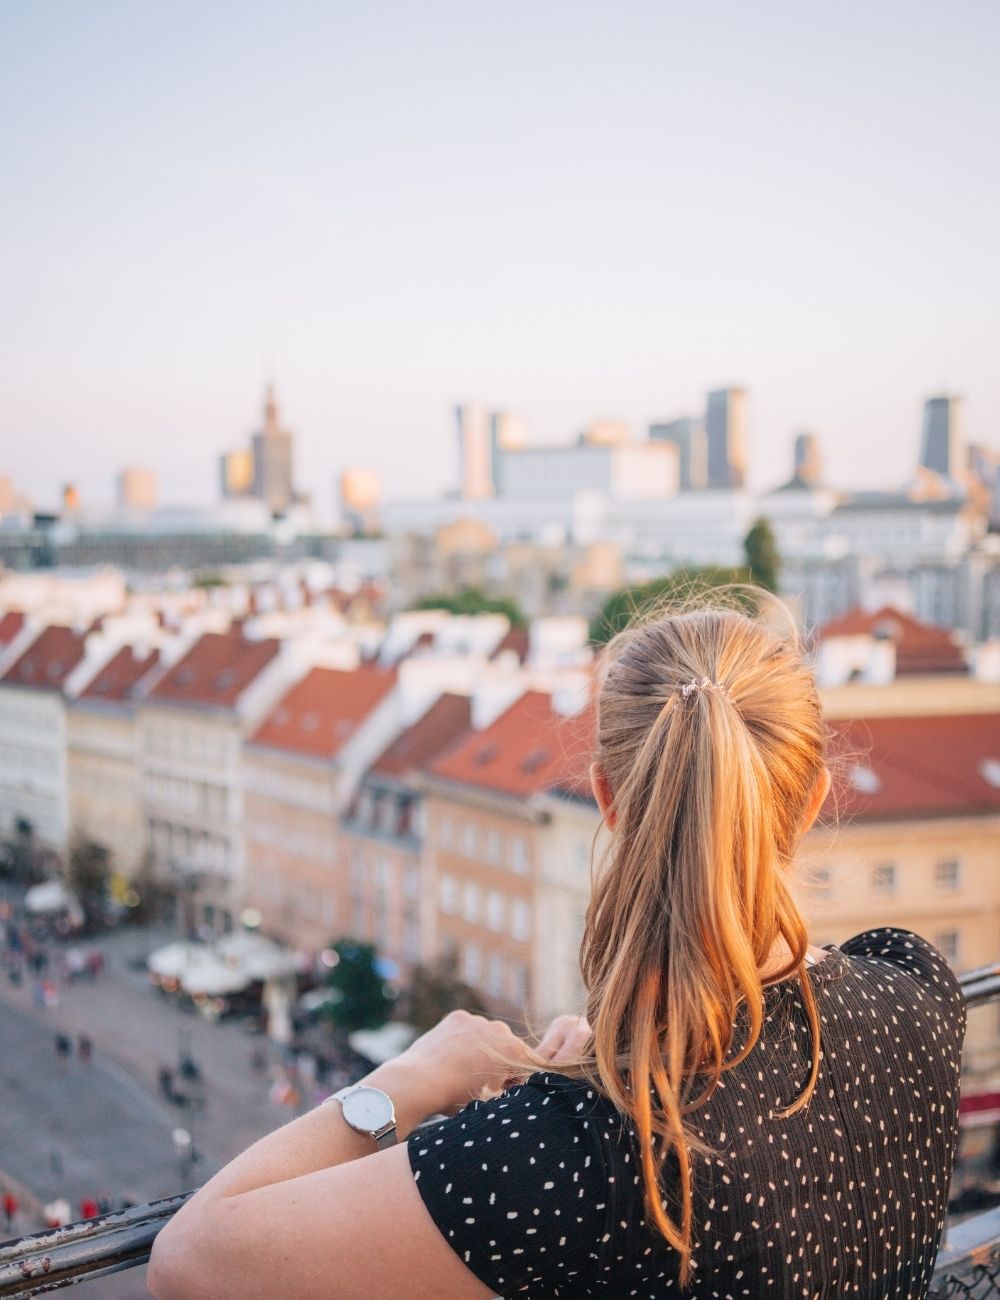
[725,434]
[136,489]
[475,459]
[942,442]
[688,435]
[272,459]
[506,434]
[808,460]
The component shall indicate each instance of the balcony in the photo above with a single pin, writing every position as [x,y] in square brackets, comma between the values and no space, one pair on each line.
[968,1263]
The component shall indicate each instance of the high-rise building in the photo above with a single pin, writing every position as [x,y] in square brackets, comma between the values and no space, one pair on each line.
[606,433]
[942,442]
[136,489]
[360,498]
[725,433]
[507,433]
[688,435]
[236,473]
[808,460]
[475,456]
[272,460]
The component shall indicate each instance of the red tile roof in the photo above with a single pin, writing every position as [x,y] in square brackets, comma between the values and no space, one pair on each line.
[216,670]
[117,680]
[516,639]
[917,767]
[528,749]
[10,625]
[920,647]
[48,661]
[322,711]
[445,721]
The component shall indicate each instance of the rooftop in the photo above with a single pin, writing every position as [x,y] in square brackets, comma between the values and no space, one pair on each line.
[323,710]
[48,661]
[118,679]
[216,670]
[448,718]
[10,625]
[918,766]
[920,647]
[528,749]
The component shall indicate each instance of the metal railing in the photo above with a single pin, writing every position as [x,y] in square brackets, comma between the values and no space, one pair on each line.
[968,1265]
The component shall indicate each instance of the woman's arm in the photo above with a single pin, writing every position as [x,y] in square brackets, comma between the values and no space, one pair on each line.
[300,1213]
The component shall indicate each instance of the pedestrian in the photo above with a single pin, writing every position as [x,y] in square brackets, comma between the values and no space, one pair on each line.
[63,1048]
[95,963]
[104,1202]
[9,1209]
[84,1048]
[258,1060]
[88,1208]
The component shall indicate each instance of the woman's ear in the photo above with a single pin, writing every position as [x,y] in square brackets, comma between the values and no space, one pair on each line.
[602,793]
[817,798]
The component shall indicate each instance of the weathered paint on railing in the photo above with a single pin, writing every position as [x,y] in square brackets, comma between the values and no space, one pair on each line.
[46,1261]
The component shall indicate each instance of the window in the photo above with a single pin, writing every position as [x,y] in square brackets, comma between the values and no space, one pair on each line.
[472,964]
[357,865]
[520,920]
[946,874]
[418,819]
[884,878]
[470,840]
[494,910]
[446,832]
[947,945]
[471,902]
[518,983]
[449,894]
[494,846]
[518,853]
[495,976]
[380,871]
[411,882]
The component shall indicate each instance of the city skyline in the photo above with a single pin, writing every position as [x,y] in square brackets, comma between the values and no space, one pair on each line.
[800,207]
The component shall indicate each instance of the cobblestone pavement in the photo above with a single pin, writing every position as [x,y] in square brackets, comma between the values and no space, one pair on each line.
[75,1129]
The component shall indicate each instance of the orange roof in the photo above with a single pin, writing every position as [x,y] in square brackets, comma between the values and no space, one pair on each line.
[49,660]
[528,749]
[917,767]
[920,647]
[446,720]
[10,625]
[117,680]
[516,639]
[322,711]
[216,670]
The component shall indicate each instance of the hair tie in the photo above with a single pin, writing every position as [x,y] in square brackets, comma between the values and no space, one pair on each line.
[706,684]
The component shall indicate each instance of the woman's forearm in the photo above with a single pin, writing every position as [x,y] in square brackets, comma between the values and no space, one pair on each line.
[322,1137]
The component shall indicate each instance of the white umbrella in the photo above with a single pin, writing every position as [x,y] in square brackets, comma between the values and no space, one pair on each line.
[257,957]
[53,896]
[213,977]
[172,960]
[379,1045]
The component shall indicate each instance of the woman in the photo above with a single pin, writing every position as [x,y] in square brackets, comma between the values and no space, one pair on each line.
[748,1116]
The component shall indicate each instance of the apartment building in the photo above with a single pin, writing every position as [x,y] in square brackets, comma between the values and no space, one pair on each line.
[103,770]
[191,725]
[301,766]
[492,864]
[916,844]
[33,742]
[383,837]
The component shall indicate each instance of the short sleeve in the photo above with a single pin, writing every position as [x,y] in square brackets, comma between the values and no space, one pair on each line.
[915,956]
[519,1186]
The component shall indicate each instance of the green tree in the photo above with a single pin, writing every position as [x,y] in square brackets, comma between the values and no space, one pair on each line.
[88,871]
[761,551]
[472,600]
[434,990]
[361,998]
[681,585]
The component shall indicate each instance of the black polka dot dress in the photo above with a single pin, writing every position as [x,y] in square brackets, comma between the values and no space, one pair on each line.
[539,1190]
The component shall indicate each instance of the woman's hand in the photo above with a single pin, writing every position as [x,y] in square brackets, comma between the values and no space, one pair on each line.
[465,1055]
[565,1039]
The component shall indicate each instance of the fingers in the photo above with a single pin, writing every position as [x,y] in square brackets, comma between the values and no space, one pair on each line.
[565,1038]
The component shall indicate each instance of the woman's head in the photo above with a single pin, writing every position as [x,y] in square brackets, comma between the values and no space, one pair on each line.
[709,766]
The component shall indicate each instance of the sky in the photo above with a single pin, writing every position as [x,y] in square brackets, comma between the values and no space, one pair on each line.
[570,210]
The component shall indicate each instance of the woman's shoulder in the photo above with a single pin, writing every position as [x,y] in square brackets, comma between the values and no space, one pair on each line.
[890,948]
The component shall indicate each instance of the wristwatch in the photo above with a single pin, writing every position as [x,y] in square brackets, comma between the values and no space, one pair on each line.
[369,1110]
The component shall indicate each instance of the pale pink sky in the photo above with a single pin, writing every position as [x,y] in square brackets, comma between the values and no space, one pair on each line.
[570,209]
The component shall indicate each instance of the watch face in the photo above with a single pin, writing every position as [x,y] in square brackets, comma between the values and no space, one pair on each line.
[367,1109]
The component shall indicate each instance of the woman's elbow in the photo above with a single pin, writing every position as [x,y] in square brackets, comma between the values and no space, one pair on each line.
[171,1273]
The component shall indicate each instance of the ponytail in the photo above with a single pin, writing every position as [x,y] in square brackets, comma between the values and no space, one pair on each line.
[711,739]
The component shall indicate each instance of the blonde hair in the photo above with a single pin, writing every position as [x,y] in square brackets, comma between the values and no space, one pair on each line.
[711,739]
